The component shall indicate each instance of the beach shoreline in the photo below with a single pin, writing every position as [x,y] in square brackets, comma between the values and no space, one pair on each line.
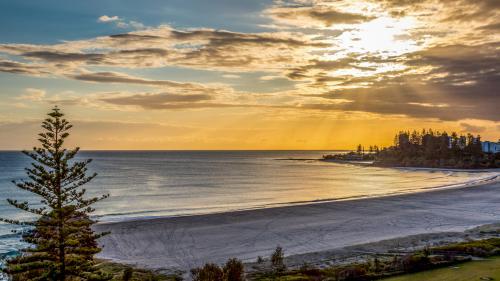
[185,242]
[469,183]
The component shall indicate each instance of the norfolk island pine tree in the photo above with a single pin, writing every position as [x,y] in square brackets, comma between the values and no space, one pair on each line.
[63,243]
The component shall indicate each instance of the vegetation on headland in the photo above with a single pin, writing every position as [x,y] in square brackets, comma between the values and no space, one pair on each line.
[427,149]
[437,150]
[359,155]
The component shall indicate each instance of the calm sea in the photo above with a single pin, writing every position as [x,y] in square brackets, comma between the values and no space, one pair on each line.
[173,183]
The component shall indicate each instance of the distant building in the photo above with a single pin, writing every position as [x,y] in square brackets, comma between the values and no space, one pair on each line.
[490,147]
[449,141]
[462,142]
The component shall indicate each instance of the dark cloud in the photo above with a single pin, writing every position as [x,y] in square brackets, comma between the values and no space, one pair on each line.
[402,100]
[20,68]
[144,51]
[472,128]
[463,83]
[219,38]
[469,72]
[326,15]
[159,100]
[163,101]
[224,49]
[478,10]
[413,97]
[318,68]
[454,10]
[128,57]
[403,3]
[493,27]
[57,56]
[330,17]
[115,77]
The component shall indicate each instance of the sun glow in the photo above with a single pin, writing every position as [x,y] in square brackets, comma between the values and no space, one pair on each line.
[384,36]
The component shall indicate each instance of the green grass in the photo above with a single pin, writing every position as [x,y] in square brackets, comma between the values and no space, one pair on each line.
[468,271]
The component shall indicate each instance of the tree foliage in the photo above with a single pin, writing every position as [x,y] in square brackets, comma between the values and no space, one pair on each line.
[436,149]
[277,259]
[63,243]
[233,270]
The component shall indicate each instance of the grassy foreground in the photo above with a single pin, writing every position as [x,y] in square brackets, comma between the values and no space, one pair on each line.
[488,269]
[118,271]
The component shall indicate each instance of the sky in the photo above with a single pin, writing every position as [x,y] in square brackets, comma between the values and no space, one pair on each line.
[261,74]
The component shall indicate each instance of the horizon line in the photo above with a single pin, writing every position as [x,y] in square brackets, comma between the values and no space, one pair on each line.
[20,150]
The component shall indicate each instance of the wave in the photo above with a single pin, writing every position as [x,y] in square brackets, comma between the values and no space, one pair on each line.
[8,254]
[10,236]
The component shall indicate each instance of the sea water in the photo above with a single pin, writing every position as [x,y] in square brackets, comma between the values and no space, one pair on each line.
[146,184]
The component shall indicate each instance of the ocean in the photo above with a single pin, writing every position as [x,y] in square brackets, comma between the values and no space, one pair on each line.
[146,184]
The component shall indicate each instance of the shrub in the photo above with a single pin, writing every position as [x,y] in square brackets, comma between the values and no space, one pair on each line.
[416,262]
[355,272]
[376,265]
[209,272]
[260,259]
[277,259]
[127,274]
[234,270]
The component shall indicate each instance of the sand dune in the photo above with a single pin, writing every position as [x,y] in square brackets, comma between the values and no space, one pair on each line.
[185,242]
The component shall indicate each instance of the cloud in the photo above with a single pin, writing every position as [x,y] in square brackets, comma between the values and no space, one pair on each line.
[116,77]
[188,96]
[121,23]
[163,46]
[160,100]
[415,99]
[33,95]
[269,77]
[130,25]
[384,57]
[106,18]
[58,56]
[492,27]
[472,128]
[458,11]
[314,16]
[21,68]
[439,105]
[175,101]
[231,76]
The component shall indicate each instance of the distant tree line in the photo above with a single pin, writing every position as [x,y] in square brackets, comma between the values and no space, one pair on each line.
[436,149]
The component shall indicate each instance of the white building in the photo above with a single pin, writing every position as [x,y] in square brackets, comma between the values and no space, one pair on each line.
[490,147]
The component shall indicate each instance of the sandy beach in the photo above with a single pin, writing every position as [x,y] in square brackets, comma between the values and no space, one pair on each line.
[185,242]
